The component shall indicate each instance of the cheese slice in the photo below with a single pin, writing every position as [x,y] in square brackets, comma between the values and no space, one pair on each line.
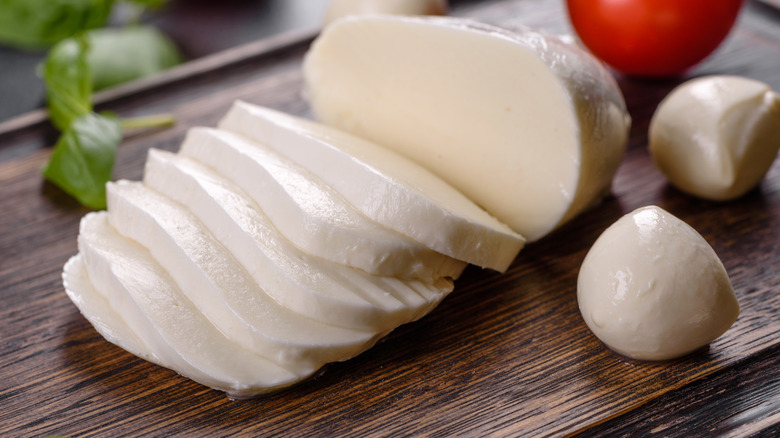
[165,318]
[311,213]
[332,293]
[221,288]
[384,186]
[528,126]
[97,310]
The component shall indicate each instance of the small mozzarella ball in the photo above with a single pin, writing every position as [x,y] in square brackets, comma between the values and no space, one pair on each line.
[716,137]
[651,288]
[341,8]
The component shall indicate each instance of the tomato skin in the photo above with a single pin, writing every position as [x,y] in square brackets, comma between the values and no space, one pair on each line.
[652,38]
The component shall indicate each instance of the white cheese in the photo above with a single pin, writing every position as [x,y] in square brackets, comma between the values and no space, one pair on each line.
[149,301]
[716,137]
[384,186]
[342,8]
[221,288]
[328,292]
[526,125]
[97,310]
[651,288]
[312,214]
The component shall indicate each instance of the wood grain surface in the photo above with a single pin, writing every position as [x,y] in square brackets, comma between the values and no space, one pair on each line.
[504,355]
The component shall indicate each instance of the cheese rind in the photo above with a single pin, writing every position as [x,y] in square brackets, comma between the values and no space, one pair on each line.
[384,186]
[526,125]
[715,137]
[312,214]
[166,319]
[221,288]
[331,293]
[651,288]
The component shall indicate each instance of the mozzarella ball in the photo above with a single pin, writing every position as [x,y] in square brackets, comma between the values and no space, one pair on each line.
[716,137]
[341,8]
[651,288]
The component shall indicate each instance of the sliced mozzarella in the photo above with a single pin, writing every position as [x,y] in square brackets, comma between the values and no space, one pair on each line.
[97,310]
[332,293]
[151,303]
[221,288]
[384,186]
[652,288]
[716,136]
[526,125]
[312,214]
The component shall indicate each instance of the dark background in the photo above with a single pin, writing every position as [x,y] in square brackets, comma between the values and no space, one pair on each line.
[200,27]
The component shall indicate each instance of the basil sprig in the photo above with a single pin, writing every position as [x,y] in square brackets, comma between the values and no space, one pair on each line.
[36,24]
[83,159]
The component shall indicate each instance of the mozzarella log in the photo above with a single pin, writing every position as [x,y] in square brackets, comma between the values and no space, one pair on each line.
[529,127]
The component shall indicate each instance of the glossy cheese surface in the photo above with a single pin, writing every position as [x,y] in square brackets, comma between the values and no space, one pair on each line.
[652,288]
[716,136]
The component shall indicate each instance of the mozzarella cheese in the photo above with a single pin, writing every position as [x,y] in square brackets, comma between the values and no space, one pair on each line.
[716,137]
[384,186]
[312,214]
[331,293]
[97,310]
[529,127]
[221,288]
[651,288]
[342,8]
[166,320]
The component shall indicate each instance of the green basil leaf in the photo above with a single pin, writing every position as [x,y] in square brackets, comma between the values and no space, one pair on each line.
[35,24]
[153,4]
[119,55]
[83,159]
[68,81]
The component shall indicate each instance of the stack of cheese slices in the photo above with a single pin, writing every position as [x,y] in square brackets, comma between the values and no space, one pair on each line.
[272,245]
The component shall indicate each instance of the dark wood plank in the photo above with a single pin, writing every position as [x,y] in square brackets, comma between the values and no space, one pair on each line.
[741,401]
[504,354]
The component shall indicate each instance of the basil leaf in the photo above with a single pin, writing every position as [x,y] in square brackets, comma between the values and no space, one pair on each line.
[153,4]
[119,55]
[68,82]
[83,158]
[35,24]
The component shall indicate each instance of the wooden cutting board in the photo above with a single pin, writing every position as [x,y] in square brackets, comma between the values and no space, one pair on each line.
[504,355]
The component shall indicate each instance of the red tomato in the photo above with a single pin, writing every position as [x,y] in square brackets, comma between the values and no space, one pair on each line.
[652,37]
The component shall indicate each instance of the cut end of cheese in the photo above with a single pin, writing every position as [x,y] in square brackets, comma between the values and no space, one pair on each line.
[651,288]
[527,126]
[715,137]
